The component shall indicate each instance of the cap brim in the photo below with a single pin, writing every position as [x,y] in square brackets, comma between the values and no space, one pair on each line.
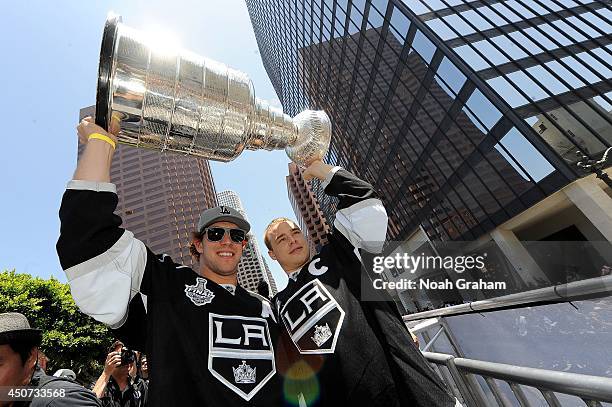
[241,223]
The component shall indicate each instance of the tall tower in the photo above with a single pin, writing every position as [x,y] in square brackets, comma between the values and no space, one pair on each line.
[161,196]
[307,210]
[252,267]
[271,281]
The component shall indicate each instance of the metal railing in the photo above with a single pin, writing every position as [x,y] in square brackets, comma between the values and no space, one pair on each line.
[591,389]
[599,286]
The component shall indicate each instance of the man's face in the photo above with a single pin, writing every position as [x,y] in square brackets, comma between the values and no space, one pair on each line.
[12,371]
[132,369]
[121,372]
[289,246]
[220,257]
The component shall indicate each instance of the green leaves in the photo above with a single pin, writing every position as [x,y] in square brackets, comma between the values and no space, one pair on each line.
[71,339]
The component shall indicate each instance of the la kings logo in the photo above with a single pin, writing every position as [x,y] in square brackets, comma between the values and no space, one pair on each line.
[313,319]
[240,353]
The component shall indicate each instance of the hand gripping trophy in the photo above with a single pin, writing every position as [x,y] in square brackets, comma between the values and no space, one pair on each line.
[178,101]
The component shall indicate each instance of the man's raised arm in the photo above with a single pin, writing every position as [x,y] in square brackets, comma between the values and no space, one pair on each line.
[361,216]
[95,162]
[103,262]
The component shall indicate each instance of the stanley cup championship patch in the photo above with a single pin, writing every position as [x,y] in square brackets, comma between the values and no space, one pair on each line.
[240,353]
[313,319]
[198,293]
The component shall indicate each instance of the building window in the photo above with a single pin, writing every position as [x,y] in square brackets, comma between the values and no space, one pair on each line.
[524,153]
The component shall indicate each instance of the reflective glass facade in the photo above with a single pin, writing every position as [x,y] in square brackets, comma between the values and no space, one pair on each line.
[461,113]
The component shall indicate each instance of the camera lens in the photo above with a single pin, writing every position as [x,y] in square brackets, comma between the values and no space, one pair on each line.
[127,356]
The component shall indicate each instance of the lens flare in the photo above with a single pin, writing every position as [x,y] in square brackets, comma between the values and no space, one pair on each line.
[301,384]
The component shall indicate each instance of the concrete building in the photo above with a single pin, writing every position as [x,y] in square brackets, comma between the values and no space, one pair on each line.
[161,196]
[252,267]
[271,280]
[549,128]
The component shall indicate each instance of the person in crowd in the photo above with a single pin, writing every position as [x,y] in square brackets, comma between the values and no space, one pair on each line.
[19,367]
[116,387]
[346,350]
[136,372]
[263,288]
[415,339]
[43,360]
[67,373]
[143,367]
[209,341]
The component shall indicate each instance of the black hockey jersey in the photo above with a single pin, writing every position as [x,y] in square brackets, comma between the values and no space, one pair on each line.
[349,352]
[205,345]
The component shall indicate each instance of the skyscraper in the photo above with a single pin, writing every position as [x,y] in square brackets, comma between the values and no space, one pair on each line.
[252,267]
[306,208]
[161,196]
[271,281]
[466,115]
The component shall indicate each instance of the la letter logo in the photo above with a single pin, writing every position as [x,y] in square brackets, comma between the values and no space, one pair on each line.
[313,319]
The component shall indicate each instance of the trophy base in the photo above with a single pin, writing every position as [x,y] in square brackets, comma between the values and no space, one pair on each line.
[103,93]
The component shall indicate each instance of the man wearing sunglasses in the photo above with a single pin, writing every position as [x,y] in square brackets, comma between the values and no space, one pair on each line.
[209,342]
[346,351]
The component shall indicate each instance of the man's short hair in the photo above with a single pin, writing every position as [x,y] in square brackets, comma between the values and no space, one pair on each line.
[275,221]
[114,346]
[195,237]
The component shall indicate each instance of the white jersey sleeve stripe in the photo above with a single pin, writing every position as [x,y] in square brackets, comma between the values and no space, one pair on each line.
[91,186]
[103,286]
[364,224]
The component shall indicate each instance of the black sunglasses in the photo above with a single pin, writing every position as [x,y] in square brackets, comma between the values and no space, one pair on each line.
[215,234]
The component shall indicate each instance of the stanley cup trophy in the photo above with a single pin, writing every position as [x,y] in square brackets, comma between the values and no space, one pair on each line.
[178,101]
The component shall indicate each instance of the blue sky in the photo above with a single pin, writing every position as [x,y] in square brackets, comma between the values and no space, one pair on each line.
[49,71]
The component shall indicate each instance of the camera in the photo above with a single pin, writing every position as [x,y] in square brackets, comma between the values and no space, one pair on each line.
[127,356]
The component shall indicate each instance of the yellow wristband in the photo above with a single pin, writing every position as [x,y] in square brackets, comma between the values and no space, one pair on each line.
[103,138]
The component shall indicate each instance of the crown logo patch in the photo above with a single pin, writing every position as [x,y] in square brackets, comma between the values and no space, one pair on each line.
[198,293]
[244,373]
[321,334]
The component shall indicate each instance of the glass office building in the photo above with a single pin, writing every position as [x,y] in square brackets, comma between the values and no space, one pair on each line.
[462,113]
[466,116]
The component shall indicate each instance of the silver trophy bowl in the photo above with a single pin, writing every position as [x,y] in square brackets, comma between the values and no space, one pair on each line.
[174,100]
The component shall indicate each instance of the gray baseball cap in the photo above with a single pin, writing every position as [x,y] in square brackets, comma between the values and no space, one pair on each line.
[15,327]
[222,214]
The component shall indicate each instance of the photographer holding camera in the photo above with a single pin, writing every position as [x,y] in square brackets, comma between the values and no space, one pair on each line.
[116,387]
